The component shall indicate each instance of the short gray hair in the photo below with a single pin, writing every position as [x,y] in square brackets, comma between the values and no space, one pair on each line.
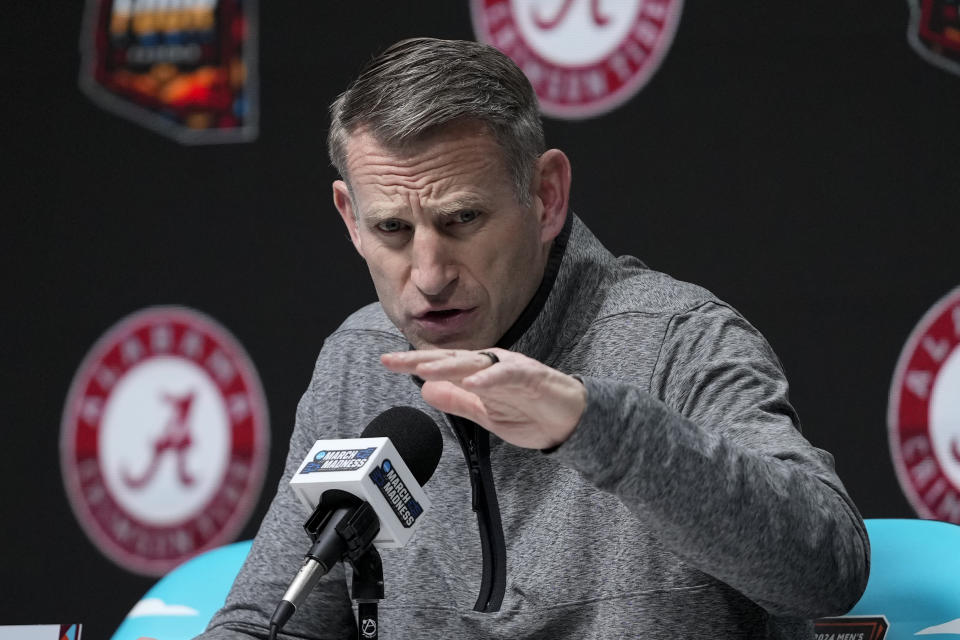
[421,84]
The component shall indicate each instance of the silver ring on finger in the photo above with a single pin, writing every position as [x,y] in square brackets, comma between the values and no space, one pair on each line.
[493,357]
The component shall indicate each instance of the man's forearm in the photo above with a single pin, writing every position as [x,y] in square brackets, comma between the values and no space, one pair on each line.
[779,529]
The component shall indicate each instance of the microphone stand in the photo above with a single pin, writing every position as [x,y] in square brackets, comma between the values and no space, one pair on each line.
[367,592]
[356,533]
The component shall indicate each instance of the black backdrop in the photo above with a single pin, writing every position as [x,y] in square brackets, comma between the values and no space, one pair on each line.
[799,159]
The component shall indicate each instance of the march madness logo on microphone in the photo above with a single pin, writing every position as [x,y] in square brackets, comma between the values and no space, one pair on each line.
[395,491]
[164,439]
[338,460]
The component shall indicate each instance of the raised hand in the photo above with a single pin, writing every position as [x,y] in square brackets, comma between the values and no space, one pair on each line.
[517,398]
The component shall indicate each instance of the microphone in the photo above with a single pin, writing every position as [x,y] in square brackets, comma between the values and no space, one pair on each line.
[363,491]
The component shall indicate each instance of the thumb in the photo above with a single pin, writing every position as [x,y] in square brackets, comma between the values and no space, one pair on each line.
[450,398]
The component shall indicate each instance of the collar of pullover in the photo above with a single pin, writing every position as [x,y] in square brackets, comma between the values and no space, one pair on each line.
[568,297]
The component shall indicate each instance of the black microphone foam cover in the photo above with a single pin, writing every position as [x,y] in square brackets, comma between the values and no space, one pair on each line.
[415,436]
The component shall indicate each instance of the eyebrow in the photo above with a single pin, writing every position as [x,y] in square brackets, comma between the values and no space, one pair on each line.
[448,208]
[460,204]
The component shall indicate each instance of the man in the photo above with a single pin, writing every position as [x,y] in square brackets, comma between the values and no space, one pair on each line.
[624,440]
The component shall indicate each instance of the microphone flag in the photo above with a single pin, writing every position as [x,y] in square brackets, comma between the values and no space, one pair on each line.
[372,470]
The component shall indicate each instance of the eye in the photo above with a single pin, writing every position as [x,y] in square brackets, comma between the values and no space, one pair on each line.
[391,226]
[465,216]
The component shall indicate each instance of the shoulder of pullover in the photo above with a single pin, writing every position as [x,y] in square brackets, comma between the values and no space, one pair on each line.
[636,289]
[370,318]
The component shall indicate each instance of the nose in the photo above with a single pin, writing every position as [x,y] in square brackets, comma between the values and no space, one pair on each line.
[433,268]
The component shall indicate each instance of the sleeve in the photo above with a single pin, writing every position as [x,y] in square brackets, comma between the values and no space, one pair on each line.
[712,454]
[278,548]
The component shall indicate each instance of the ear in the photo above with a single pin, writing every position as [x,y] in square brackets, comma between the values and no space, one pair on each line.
[552,190]
[344,204]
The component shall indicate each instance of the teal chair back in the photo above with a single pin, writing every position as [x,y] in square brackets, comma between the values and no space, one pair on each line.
[914,585]
[181,603]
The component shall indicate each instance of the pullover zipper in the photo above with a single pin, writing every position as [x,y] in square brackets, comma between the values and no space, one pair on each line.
[475,443]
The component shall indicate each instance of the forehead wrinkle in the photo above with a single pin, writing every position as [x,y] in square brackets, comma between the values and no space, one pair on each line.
[478,153]
[452,190]
[439,176]
[417,173]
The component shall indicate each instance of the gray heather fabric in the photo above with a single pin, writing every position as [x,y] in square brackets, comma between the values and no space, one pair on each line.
[685,505]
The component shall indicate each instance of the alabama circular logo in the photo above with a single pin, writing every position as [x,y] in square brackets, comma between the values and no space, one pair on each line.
[164,439]
[924,413]
[583,57]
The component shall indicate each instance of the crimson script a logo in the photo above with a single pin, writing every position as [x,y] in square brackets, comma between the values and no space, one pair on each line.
[583,57]
[164,439]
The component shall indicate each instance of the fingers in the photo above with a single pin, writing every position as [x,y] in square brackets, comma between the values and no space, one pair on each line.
[438,364]
[491,376]
[519,399]
[457,367]
[408,361]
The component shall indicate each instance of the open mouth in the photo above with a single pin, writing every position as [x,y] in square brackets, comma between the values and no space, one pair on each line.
[441,315]
[445,319]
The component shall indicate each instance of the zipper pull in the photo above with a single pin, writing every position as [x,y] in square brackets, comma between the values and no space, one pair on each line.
[474,461]
[475,483]
[472,447]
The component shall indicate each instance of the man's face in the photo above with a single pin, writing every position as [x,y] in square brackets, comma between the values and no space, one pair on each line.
[453,255]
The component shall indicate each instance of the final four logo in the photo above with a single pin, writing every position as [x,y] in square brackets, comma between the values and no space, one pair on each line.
[164,439]
[184,68]
[583,57]
[934,32]
[924,413]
